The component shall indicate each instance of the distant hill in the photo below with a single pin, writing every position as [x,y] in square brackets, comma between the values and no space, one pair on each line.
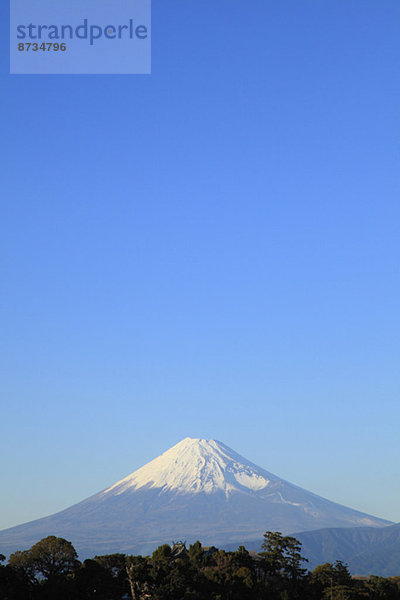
[367,550]
[199,489]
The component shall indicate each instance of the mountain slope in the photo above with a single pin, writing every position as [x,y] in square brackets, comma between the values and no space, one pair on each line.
[198,489]
[367,550]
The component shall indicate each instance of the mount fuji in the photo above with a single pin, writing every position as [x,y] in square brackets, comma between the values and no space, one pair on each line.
[198,489]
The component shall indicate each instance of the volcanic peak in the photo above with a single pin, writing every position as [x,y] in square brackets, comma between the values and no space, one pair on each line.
[196,465]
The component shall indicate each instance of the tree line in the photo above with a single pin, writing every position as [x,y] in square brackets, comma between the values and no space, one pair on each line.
[50,570]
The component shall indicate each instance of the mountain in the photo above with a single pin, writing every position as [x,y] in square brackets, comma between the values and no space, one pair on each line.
[366,550]
[198,489]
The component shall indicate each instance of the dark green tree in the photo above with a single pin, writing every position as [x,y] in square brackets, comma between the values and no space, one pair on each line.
[138,571]
[22,564]
[281,566]
[48,567]
[93,582]
[332,581]
[281,556]
[196,554]
[327,574]
[51,558]
[115,565]
[382,588]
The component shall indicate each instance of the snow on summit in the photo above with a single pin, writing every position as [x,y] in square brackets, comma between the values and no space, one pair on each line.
[196,465]
[197,490]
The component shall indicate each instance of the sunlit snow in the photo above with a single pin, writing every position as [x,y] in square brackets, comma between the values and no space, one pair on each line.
[195,465]
[199,489]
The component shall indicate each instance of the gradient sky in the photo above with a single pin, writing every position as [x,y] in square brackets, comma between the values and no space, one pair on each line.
[210,251]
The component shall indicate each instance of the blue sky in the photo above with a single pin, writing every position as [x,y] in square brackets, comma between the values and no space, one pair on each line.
[210,251]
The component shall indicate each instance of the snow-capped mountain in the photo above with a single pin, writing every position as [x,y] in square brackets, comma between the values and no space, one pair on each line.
[198,489]
[194,466]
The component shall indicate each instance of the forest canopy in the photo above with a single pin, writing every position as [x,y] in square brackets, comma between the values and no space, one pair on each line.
[51,570]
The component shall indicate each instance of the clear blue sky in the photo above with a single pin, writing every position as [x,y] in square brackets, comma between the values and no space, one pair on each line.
[210,251]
